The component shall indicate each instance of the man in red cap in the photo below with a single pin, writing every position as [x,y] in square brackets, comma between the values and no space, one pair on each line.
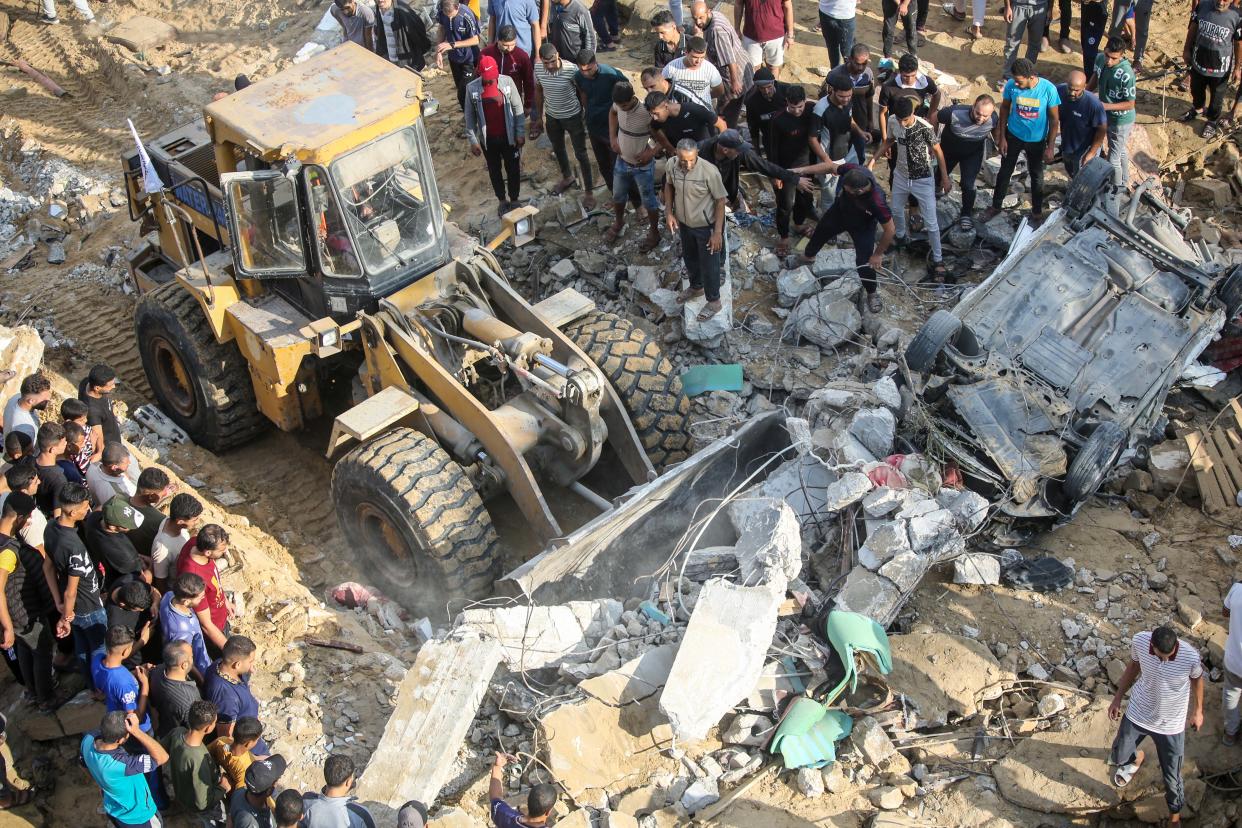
[496,129]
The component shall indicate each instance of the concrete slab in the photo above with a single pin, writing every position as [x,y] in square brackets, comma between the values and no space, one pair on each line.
[140,32]
[770,546]
[21,349]
[730,625]
[533,637]
[868,594]
[435,708]
[636,679]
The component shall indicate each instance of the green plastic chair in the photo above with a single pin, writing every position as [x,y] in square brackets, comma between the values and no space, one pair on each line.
[851,633]
[808,734]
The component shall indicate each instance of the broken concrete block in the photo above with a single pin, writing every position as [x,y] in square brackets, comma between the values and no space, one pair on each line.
[709,562]
[748,730]
[886,392]
[564,269]
[730,625]
[868,594]
[875,429]
[710,333]
[80,714]
[140,33]
[767,263]
[536,637]
[883,544]
[1210,191]
[21,350]
[872,742]
[700,794]
[635,680]
[435,707]
[976,568]
[930,529]
[810,782]
[832,261]
[1167,463]
[592,746]
[825,320]
[846,490]
[886,797]
[770,546]
[644,279]
[882,501]
[906,570]
[801,483]
[969,509]
[792,286]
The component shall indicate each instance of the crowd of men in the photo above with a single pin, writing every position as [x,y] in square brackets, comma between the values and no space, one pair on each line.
[108,571]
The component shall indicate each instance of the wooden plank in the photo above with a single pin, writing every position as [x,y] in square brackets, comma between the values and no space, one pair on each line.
[1235,441]
[1210,492]
[436,705]
[1236,408]
[1228,492]
[1229,459]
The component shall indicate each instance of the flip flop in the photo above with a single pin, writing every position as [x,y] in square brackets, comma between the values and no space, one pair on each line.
[966,223]
[1124,773]
[688,294]
[709,310]
[610,235]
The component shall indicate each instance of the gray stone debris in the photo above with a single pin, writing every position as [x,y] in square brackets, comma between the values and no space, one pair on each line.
[832,261]
[969,509]
[564,269]
[884,543]
[792,286]
[866,593]
[767,263]
[827,319]
[801,482]
[886,391]
[845,491]
[870,740]
[747,729]
[700,794]
[542,636]
[55,253]
[770,542]
[875,428]
[882,501]
[810,782]
[976,568]
[906,570]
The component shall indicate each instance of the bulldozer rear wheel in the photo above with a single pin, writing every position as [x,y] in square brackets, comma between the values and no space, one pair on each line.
[203,385]
[417,524]
[645,380]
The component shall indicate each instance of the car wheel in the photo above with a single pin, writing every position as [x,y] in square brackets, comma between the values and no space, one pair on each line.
[1087,186]
[927,344]
[1093,462]
[1230,293]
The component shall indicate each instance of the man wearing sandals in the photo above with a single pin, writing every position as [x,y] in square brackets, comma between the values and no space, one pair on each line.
[629,134]
[914,175]
[1164,676]
[694,207]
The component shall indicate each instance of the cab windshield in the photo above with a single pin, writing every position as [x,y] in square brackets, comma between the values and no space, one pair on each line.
[390,205]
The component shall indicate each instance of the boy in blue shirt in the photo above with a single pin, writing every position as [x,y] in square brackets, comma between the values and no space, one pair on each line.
[122,690]
[539,803]
[121,774]
[179,621]
[1031,113]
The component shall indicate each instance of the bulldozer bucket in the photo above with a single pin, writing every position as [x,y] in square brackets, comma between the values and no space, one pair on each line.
[620,552]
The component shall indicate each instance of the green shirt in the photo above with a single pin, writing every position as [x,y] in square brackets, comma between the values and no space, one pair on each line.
[195,775]
[1116,86]
[598,92]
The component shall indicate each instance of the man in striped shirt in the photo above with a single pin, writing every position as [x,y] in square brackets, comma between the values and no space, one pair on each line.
[695,75]
[1166,675]
[558,110]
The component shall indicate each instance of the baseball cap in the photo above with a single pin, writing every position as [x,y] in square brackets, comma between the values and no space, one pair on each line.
[263,774]
[119,512]
[488,70]
[764,76]
[730,138]
[413,814]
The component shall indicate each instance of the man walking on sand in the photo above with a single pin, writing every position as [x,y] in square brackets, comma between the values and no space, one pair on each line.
[1165,678]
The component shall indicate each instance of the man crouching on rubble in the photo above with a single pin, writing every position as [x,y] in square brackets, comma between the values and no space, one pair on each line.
[1166,676]
[539,803]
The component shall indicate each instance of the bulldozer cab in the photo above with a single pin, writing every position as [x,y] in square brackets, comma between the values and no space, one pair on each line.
[338,189]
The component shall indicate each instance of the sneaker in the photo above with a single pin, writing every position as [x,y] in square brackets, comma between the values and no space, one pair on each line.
[1189,116]
[1065,48]
[1229,739]
[49,21]
[1210,131]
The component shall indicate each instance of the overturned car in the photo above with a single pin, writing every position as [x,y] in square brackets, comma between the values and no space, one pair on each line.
[1057,364]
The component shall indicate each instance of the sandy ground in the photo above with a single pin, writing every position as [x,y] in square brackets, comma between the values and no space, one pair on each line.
[292,544]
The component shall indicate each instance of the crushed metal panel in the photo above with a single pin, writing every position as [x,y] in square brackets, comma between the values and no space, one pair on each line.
[1055,358]
[1001,418]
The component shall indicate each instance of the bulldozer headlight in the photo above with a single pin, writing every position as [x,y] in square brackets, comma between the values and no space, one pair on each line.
[330,339]
[522,227]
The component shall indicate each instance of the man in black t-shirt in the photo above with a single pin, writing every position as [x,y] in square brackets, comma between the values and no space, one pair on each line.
[50,443]
[964,131]
[96,391]
[110,546]
[153,487]
[132,605]
[77,577]
[764,101]
[729,154]
[171,689]
[673,120]
[792,132]
[909,82]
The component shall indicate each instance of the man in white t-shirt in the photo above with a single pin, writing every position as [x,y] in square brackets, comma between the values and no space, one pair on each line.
[19,411]
[1166,675]
[695,75]
[24,478]
[110,476]
[1233,665]
[184,511]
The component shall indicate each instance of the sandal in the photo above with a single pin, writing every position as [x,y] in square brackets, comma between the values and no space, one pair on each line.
[874,303]
[937,271]
[709,310]
[563,185]
[688,294]
[967,223]
[782,249]
[19,797]
[1124,773]
[976,32]
[952,11]
[989,214]
[614,230]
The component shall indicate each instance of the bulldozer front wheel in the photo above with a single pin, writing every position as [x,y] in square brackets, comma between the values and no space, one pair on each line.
[203,385]
[645,380]
[417,524]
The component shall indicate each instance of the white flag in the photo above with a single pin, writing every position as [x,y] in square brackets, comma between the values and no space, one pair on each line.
[151,182]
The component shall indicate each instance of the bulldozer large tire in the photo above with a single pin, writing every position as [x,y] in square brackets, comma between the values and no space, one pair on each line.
[415,521]
[645,380]
[204,386]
